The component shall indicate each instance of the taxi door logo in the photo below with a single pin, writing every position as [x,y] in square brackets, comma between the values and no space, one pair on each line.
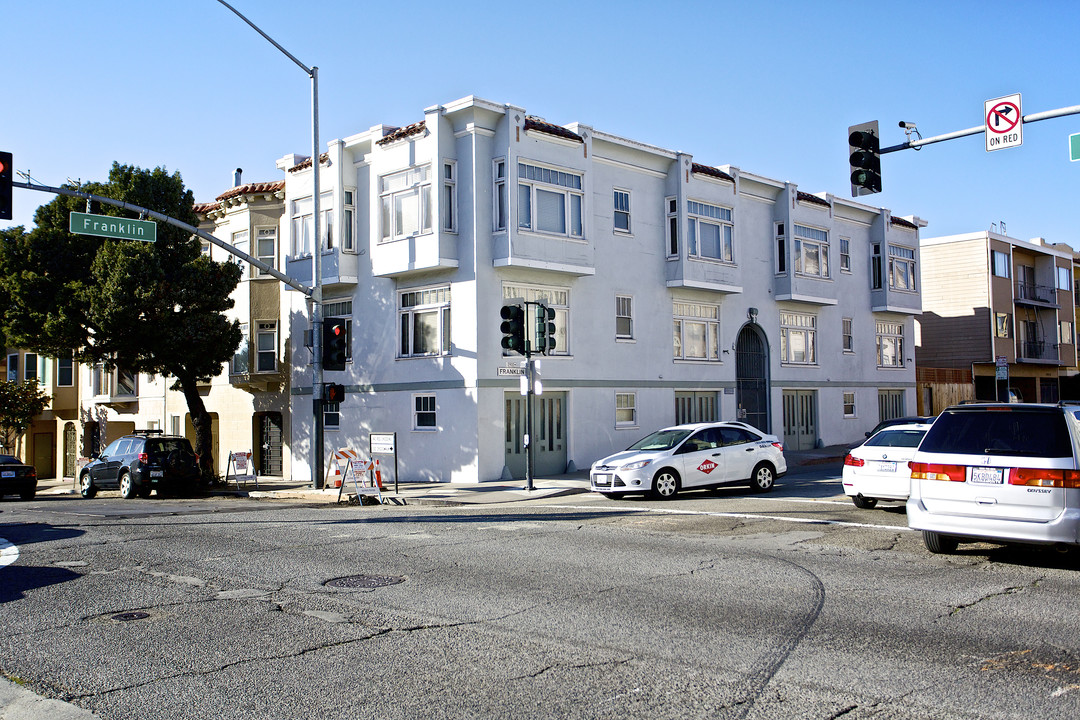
[707,467]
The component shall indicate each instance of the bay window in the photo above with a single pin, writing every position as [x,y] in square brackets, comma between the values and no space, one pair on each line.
[550,201]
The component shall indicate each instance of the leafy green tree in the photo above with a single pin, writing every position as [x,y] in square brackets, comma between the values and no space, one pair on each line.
[19,403]
[153,308]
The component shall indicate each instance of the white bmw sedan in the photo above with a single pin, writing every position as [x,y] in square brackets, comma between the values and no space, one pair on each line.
[878,469]
[692,456]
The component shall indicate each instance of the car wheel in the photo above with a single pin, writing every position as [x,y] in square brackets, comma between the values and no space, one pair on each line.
[28,494]
[862,502]
[939,544]
[665,485]
[127,486]
[86,486]
[764,478]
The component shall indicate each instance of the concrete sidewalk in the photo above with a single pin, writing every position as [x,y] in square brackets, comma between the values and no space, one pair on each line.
[439,493]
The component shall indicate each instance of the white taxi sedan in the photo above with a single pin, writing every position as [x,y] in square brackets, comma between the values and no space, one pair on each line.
[878,469]
[692,456]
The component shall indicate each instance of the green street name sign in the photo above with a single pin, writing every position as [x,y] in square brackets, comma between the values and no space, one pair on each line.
[1074,147]
[112,227]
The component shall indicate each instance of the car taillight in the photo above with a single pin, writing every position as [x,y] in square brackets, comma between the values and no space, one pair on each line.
[143,458]
[1042,477]
[853,461]
[936,471]
[779,446]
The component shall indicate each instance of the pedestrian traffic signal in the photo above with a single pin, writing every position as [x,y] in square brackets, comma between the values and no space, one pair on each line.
[865,159]
[333,393]
[6,178]
[545,329]
[513,328]
[334,344]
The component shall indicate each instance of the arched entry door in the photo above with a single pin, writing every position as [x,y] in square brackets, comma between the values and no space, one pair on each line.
[752,377]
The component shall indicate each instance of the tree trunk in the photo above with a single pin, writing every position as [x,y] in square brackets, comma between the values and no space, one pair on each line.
[200,418]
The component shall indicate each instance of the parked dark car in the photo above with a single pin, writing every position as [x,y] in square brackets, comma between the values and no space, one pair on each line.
[17,478]
[913,420]
[140,463]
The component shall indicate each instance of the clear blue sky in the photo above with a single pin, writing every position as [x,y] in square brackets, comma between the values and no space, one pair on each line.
[768,87]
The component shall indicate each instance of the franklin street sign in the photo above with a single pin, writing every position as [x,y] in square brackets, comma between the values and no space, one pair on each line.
[112,227]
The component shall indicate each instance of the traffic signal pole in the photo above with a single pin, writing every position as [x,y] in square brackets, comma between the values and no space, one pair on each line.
[1033,117]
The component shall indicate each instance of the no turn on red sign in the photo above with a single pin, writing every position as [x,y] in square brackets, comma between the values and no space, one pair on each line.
[1004,122]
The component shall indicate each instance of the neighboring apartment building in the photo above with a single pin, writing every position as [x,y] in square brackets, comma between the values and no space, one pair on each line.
[682,292]
[53,443]
[998,320]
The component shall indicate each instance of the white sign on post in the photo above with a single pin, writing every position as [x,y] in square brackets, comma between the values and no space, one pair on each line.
[1004,122]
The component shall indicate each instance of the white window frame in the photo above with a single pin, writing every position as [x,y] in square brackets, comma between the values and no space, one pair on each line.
[1003,325]
[348,232]
[847,335]
[999,264]
[556,298]
[241,359]
[394,190]
[241,240]
[845,255]
[700,214]
[65,365]
[890,344]
[500,207]
[875,267]
[811,251]
[302,225]
[270,258]
[798,338]
[626,409]
[620,211]
[902,268]
[448,201]
[672,215]
[536,181]
[1065,332]
[423,405]
[624,317]
[417,305]
[781,248]
[699,321]
[1064,278]
[266,333]
[849,407]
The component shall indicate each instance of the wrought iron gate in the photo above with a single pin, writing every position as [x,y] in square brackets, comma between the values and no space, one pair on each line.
[752,378]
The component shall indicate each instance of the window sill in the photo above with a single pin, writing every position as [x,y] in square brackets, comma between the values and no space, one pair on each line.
[553,236]
[714,261]
[403,238]
[698,361]
[628,340]
[812,277]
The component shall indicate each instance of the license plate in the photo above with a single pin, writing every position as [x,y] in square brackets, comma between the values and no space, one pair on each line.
[157,473]
[987,476]
[602,480]
[887,466]
[7,473]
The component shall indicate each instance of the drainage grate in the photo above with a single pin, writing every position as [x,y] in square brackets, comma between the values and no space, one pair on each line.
[129,616]
[365,581]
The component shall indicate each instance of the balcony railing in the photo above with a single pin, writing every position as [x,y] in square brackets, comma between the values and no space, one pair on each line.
[1030,292]
[1038,350]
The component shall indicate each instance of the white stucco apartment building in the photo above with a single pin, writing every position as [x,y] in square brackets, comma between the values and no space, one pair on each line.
[682,291]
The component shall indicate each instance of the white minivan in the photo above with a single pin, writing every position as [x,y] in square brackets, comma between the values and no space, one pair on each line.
[1003,472]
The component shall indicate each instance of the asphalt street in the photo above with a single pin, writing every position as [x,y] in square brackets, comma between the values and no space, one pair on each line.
[717,604]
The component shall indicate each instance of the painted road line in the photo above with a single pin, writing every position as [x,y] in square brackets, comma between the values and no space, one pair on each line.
[8,553]
[742,516]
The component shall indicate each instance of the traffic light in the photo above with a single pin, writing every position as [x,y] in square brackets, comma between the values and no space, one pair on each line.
[6,178]
[545,329]
[333,393]
[864,144]
[334,344]
[513,328]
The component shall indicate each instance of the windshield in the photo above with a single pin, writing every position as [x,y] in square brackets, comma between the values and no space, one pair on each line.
[896,438]
[660,440]
[1035,432]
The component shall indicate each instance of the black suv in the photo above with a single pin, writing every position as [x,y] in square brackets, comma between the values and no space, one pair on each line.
[141,462]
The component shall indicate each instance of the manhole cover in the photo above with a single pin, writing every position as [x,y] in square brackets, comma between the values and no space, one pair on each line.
[129,616]
[365,581]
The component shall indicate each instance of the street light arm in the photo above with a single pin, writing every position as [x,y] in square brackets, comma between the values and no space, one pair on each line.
[273,42]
